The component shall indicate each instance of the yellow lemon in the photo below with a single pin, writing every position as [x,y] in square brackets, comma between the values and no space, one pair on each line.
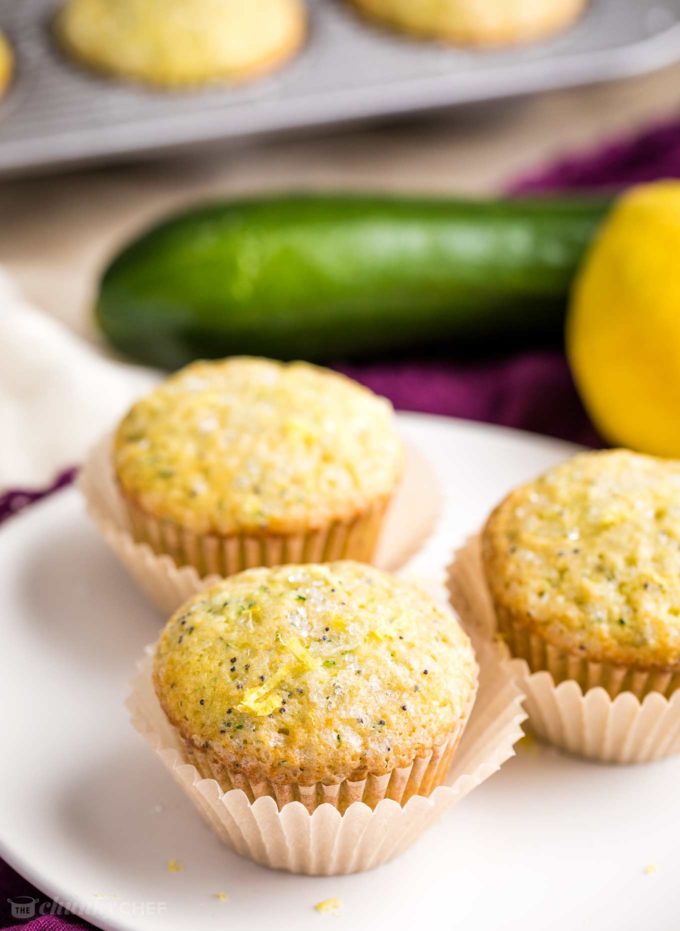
[623,328]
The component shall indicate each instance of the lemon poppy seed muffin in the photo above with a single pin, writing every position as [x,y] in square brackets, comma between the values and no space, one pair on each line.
[583,566]
[247,462]
[475,22]
[174,43]
[331,682]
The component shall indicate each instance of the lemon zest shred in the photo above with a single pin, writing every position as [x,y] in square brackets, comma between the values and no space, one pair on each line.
[263,699]
[295,646]
[377,636]
[261,706]
[328,906]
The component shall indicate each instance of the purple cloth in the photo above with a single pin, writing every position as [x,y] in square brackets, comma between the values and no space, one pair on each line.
[20,901]
[530,390]
[620,163]
[11,502]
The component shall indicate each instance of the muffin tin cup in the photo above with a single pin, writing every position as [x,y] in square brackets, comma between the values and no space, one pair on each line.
[387,534]
[596,710]
[305,831]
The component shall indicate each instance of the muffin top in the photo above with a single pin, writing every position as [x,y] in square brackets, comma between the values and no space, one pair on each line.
[314,673]
[179,42]
[588,556]
[251,445]
[479,23]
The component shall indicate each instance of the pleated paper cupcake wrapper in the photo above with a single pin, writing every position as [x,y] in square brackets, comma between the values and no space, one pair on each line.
[420,778]
[386,536]
[223,556]
[326,841]
[578,714]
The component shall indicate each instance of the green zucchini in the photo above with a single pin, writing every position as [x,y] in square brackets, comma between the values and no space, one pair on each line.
[327,278]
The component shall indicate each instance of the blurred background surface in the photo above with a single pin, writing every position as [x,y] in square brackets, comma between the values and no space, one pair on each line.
[58,231]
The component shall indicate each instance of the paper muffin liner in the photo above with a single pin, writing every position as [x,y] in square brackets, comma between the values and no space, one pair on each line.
[386,534]
[222,556]
[419,778]
[324,841]
[595,710]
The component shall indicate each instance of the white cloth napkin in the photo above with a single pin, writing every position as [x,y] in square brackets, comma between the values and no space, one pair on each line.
[58,393]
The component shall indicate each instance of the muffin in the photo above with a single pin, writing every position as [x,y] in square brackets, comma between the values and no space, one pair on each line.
[583,569]
[318,683]
[174,43]
[6,63]
[247,462]
[471,22]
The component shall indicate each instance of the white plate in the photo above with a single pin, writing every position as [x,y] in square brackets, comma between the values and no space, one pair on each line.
[90,816]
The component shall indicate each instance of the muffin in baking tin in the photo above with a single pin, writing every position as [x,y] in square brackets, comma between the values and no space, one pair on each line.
[475,22]
[176,43]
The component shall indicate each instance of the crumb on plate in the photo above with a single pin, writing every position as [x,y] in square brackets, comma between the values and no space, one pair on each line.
[328,906]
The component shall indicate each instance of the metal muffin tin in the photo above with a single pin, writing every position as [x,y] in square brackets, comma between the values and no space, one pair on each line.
[56,114]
